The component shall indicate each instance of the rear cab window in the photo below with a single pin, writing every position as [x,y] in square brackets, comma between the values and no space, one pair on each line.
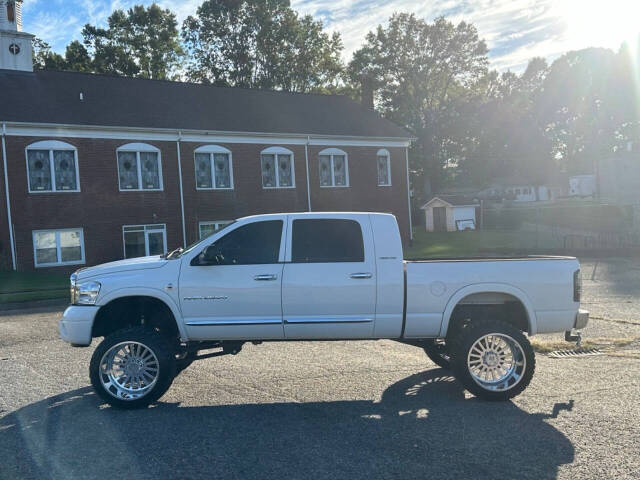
[326,241]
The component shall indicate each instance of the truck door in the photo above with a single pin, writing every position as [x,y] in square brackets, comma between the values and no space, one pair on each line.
[234,291]
[329,284]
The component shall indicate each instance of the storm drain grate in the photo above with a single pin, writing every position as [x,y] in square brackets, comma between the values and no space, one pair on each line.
[577,352]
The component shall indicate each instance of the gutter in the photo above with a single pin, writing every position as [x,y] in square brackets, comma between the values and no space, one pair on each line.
[187,132]
[306,159]
[409,194]
[184,230]
[6,191]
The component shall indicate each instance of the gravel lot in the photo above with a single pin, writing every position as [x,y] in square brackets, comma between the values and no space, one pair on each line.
[327,410]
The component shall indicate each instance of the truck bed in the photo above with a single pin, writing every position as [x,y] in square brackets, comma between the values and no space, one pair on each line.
[488,259]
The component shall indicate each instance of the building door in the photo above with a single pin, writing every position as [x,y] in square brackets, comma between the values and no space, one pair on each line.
[439,219]
[144,240]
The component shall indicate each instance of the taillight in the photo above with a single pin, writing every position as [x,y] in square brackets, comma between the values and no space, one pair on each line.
[577,286]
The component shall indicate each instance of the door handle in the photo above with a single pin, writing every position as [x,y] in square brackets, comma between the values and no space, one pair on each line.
[265,277]
[361,275]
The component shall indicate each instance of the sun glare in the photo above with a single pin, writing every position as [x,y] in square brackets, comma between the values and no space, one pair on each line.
[600,23]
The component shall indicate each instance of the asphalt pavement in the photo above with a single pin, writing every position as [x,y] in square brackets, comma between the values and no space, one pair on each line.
[335,410]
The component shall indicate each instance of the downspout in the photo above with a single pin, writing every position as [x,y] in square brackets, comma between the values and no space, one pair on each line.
[409,194]
[306,160]
[6,191]
[184,230]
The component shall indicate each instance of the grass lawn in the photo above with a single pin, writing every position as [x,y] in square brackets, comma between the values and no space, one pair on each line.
[479,243]
[26,286]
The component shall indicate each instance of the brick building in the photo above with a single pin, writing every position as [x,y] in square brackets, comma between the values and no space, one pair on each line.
[98,168]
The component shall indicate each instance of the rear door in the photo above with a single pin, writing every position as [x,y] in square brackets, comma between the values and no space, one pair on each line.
[329,283]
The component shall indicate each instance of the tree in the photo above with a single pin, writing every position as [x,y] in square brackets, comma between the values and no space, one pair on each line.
[77,58]
[420,69]
[44,58]
[582,106]
[142,42]
[262,44]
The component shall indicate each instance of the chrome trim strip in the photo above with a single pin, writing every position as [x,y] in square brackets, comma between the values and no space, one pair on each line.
[228,323]
[329,320]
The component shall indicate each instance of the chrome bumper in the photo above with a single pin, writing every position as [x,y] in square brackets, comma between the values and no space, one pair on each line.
[76,324]
[582,319]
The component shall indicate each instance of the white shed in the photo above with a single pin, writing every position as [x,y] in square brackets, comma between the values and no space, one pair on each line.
[450,213]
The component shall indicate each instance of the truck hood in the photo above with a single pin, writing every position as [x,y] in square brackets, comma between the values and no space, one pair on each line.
[140,263]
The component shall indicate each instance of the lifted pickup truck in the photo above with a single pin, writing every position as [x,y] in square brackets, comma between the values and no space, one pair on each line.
[316,276]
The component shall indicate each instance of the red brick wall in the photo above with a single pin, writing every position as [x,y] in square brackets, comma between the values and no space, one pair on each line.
[247,197]
[101,209]
[5,245]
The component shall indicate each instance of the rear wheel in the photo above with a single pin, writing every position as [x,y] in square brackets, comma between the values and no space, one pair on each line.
[437,352]
[132,367]
[493,360]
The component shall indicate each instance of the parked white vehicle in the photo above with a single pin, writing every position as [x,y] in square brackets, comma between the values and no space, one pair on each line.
[316,276]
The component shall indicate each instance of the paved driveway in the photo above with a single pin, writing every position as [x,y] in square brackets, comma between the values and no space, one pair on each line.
[335,410]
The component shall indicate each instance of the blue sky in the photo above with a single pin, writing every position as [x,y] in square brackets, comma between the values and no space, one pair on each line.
[515,30]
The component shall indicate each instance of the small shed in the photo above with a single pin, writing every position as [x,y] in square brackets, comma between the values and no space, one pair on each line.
[450,213]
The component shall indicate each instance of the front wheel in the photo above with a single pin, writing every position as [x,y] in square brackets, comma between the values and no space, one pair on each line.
[493,360]
[132,368]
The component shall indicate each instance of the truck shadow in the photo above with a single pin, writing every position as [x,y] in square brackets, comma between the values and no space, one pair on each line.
[423,426]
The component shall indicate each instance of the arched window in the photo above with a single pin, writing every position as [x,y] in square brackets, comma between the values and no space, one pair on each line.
[277,168]
[334,168]
[384,168]
[52,166]
[139,167]
[214,168]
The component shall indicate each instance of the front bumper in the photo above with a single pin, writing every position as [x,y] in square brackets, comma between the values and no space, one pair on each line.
[76,324]
[582,318]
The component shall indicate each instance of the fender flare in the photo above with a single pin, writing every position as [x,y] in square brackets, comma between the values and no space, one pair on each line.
[148,292]
[489,288]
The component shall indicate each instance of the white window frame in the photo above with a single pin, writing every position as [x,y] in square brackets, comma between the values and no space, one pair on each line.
[217,223]
[211,149]
[59,263]
[146,229]
[52,145]
[383,152]
[138,148]
[275,151]
[331,152]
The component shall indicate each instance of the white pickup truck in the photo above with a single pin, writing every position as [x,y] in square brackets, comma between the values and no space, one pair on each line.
[316,276]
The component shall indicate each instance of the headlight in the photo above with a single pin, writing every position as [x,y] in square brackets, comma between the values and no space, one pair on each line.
[84,293]
[74,279]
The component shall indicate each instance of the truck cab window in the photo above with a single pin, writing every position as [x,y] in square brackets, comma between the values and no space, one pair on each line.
[251,244]
[327,241]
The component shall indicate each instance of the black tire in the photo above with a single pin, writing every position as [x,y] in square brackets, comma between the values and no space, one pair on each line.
[437,352]
[465,340]
[153,341]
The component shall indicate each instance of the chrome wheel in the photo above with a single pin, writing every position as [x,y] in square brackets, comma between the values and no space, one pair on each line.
[129,370]
[496,362]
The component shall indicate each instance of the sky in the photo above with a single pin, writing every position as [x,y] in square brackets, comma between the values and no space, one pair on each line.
[515,30]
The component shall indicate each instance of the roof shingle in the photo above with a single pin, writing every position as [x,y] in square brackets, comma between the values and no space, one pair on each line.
[54,97]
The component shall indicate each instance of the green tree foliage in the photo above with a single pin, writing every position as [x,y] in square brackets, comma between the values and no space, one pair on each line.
[142,42]
[44,58]
[422,70]
[262,44]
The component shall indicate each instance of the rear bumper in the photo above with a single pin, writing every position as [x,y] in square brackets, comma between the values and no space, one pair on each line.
[76,324]
[582,319]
